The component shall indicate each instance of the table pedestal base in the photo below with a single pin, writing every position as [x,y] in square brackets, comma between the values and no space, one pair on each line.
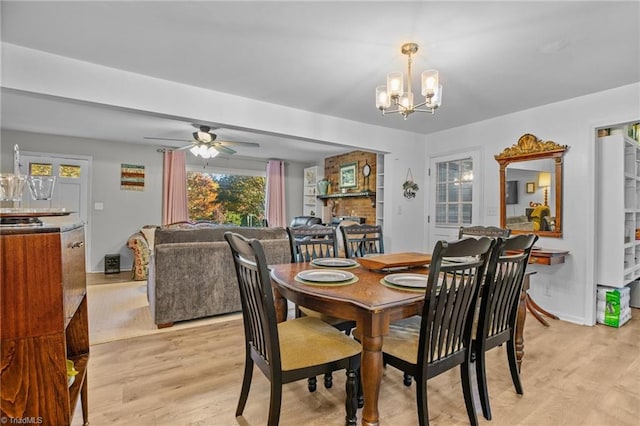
[537,310]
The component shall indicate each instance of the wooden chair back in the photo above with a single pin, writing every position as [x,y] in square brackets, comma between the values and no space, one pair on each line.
[258,311]
[483,231]
[362,239]
[312,242]
[452,292]
[498,311]
[501,290]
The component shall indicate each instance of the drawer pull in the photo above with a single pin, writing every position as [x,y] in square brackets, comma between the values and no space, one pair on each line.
[77,244]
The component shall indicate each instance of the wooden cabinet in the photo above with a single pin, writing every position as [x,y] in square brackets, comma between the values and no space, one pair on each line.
[43,322]
[618,215]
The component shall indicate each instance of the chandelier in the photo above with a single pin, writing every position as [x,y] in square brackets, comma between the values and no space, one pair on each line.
[394,95]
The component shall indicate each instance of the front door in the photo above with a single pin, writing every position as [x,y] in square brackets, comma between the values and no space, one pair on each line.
[71,188]
[455,199]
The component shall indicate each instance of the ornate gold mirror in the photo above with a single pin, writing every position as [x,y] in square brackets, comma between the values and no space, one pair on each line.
[531,187]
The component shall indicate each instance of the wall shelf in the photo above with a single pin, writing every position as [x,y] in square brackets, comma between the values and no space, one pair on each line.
[363,194]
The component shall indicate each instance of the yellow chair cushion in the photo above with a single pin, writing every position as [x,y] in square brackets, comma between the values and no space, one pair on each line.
[309,341]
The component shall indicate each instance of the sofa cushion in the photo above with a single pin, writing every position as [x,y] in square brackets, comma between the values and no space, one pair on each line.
[207,234]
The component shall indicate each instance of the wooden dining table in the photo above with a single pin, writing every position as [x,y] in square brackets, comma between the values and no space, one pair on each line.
[370,304]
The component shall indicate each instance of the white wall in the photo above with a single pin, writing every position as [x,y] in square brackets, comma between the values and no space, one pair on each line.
[126,211]
[571,286]
[44,73]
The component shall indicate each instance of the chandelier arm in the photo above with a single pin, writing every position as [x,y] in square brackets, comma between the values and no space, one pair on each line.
[429,110]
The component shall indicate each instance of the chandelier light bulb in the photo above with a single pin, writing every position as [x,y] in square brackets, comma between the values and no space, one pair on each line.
[406,100]
[382,98]
[430,82]
[395,84]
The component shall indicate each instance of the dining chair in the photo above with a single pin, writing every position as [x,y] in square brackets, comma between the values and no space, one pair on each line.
[483,231]
[362,239]
[444,337]
[498,314]
[310,242]
[315,242]
[413,324]
[291,350]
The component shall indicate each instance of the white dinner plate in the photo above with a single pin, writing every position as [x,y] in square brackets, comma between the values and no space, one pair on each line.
[408,280]
[325,275]
[334,262]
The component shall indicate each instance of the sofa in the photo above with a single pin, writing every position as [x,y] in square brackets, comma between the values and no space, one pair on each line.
[192,274]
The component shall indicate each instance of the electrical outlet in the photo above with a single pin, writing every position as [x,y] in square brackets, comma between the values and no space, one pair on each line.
[399,210]
[547,290]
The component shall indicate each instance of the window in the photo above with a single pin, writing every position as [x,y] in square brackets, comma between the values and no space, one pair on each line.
[454,192]
[226,198]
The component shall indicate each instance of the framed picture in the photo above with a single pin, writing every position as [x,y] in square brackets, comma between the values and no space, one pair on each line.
[310,175]
[310,191]
[349,175]
[310,200]
[531,187]
[512,192]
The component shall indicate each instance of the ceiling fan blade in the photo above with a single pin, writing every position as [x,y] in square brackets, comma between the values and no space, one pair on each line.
[166,139]
[182,148]
[223,149]
[245,144]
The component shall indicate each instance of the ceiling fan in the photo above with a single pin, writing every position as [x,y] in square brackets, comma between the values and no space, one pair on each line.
[206,145]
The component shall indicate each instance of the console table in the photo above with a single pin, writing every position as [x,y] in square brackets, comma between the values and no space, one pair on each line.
[542,256]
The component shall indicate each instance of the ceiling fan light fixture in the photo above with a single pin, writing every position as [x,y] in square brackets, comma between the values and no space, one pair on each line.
[204,151]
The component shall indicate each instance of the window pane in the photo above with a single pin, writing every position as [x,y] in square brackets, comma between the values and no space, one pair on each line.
[454,171]
[452,213]
[230,199]
[466,167]
[441,215]
[40,169]
[441,193]
[466,213]
[69,171]
[466,191]
[454,192]
[441,172]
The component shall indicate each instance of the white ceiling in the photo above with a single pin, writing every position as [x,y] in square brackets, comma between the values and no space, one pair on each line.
[325,57]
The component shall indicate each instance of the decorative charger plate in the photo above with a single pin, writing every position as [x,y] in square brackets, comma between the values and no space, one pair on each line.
[325,276]
[408,280]
[329,262]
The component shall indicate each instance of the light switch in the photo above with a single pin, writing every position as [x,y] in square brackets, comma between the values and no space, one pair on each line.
[98,206]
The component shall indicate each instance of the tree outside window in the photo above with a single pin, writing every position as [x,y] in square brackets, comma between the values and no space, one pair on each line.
[227,199]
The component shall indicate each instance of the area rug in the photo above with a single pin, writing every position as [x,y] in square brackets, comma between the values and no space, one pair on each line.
[121,311]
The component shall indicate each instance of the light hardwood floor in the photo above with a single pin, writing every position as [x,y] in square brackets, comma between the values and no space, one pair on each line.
[572,375]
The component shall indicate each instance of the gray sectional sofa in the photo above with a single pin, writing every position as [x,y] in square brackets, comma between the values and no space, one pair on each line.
[192,275]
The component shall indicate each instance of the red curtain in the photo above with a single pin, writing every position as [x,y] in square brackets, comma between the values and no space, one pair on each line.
[275,203]
[174,191]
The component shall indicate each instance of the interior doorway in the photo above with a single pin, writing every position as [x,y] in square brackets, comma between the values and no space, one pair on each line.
[71,189]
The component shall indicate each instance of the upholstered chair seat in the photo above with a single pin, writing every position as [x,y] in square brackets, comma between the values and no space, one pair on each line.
[301,338]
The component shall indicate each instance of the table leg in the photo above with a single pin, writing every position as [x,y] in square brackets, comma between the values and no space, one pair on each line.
[280,304]
[522,316]
[371,376]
